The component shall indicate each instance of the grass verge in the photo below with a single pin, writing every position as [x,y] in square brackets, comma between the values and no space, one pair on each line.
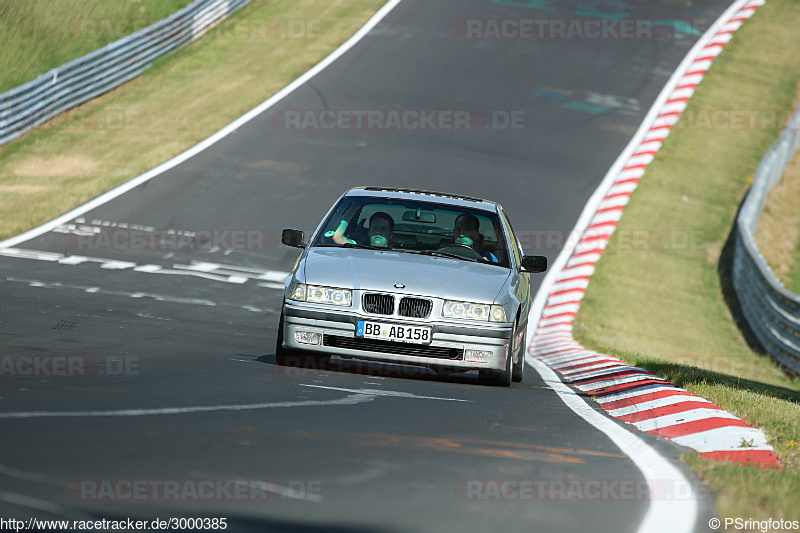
[182,99]
[668,304]
[38,36]
[778,233]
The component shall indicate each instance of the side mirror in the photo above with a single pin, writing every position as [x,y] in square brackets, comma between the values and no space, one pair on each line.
[534,263]
[293,237]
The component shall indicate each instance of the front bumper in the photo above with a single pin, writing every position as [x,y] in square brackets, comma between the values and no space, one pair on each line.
[447,348]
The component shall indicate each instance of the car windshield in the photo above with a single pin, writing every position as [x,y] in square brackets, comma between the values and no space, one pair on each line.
[416,227]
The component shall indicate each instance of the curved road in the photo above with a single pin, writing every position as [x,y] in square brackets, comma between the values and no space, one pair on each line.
[179,343]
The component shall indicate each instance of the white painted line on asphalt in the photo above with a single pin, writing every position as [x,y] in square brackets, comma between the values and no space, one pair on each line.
[126,294]
[729,438]
[619,381]
[351,399]
[639,392]
[684,417]
[390,393]
[221,272]
[575,373]
[652,404]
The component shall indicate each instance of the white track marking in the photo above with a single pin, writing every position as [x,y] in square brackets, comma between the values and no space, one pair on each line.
[639,392]
[201,269]
[138,294]
[618,381]
[391,393]
[652,404]
[127,294]
[729,438]
[351,399]
[692,415]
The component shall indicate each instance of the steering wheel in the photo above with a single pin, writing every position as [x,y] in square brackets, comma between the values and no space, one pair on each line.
[463,250]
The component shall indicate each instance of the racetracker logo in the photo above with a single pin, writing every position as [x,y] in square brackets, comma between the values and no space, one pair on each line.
[45,366]
[617,239]
[573,490]
[99,120]
[90,238]
[572,29]
[191,490]
[396,120]
[738,120]
[297,366]
[232,29]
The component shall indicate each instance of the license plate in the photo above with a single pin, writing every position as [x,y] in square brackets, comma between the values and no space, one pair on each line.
[393,332]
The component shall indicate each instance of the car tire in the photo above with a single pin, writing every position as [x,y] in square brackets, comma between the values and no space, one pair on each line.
[518,372]
[497,378]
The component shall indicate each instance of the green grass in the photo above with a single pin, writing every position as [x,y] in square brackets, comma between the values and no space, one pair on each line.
[184,98]
[37,35]
[794,284]
[671,307]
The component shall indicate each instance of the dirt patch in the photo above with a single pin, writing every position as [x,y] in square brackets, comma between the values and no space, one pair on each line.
[21,189]
[60,166]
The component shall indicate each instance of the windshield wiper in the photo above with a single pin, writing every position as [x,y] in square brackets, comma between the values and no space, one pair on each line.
[348,245]
[436,253]
[364,246]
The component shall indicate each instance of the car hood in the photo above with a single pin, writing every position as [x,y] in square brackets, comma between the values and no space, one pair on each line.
[379,270]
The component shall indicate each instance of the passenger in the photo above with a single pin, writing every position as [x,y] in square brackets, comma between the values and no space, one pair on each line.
[380,231]
[466,233]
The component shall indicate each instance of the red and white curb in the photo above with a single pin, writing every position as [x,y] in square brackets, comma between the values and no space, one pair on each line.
[632,394]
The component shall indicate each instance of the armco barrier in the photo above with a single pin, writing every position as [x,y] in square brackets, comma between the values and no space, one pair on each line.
[82,79]
[772,311]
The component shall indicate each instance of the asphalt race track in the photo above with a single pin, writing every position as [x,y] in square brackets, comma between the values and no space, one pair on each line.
[179,343]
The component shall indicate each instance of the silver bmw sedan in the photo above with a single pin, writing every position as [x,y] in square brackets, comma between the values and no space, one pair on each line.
[412,277]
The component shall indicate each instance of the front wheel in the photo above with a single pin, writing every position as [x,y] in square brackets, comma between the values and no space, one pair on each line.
[518,371]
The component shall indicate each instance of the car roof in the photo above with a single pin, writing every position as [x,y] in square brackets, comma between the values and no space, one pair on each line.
[419,194]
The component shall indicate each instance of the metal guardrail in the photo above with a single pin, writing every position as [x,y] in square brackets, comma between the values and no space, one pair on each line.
[772,311]
[73,83]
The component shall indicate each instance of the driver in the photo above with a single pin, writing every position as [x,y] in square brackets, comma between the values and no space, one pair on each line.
[380,231]
[466,233]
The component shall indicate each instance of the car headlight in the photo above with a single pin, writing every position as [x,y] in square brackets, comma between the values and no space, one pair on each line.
[322,295]
[473,311]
